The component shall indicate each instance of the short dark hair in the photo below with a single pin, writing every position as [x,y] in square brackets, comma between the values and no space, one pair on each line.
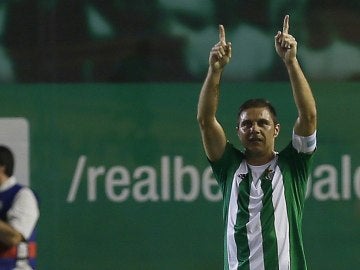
[7,160]
[258,103]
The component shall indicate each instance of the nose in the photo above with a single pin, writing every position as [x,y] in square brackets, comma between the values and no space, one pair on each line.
[254,128]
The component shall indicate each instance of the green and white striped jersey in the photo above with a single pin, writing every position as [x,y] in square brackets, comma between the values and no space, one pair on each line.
[263,217]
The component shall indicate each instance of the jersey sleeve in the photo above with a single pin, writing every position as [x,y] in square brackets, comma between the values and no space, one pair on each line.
[304,144]
[226,165]
[24,212]
[296,170]
[299,162]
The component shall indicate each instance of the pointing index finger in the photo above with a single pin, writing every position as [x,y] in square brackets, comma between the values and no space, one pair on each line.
[286,25]
[222,34]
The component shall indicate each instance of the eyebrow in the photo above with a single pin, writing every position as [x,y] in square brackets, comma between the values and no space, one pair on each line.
[248,121]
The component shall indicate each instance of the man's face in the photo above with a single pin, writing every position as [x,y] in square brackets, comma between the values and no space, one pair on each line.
[257,131]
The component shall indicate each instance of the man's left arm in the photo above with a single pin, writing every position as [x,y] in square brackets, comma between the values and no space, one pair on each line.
[21,219]
[8,235]
[305,124]
[286,47]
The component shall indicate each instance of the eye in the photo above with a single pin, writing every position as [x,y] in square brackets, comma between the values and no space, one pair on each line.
[246,124]
[263,122]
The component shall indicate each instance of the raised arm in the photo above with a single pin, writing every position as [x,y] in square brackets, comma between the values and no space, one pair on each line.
[286,47]
[213,135]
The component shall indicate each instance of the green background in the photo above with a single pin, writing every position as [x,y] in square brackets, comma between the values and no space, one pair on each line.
[133,125]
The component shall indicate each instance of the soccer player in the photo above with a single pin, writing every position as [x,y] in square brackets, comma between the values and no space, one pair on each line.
[19,213]
[263,190]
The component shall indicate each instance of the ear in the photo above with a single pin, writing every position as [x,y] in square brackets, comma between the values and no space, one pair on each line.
[276,130]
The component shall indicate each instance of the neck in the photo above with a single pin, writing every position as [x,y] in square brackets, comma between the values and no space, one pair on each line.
[257,160]
[3,178]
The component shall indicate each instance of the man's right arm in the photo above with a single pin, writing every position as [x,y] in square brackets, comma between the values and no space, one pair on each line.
[213,135]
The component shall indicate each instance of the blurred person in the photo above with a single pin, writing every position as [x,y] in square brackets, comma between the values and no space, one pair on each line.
[194,21]
[19,213]
[263,190]
[332,50]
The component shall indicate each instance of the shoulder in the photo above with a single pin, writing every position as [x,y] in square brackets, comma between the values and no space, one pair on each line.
[25,195]
[231,154]
[228,163]
[295,162]
[291,152]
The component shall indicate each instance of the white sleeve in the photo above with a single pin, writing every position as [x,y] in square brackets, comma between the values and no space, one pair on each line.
[24,212]
[304,144]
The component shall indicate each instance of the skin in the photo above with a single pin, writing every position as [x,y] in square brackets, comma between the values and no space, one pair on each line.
[213,135]
[257,132]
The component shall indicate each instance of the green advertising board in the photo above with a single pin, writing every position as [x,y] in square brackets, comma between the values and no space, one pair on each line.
[124,183]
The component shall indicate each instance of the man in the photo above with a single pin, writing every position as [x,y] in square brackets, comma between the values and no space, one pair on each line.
[263,191]
[19,213]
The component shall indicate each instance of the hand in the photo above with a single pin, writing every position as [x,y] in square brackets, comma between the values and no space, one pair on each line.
[285,44]
[221,53]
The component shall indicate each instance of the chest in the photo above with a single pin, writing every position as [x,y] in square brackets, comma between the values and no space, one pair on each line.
[6,199]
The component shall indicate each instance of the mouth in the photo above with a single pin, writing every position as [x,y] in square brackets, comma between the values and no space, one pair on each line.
[255,139]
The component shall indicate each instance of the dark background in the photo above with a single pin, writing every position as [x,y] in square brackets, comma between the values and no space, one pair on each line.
[169,40]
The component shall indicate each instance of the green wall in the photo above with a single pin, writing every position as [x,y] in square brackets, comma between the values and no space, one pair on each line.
[124,182]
